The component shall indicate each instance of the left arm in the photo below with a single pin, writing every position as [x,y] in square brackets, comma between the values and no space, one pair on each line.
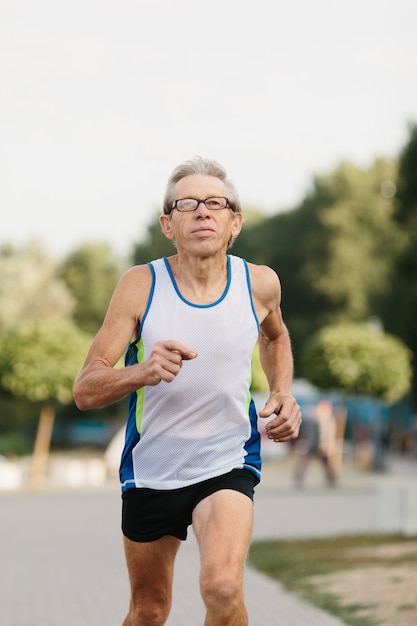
[276,356]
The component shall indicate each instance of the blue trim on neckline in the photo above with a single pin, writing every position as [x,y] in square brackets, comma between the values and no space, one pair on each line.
[200,306]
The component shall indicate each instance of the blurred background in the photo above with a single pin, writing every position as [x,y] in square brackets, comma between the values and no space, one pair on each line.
[311,108]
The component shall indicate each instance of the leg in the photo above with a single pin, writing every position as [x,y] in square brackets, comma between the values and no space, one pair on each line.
[328,468]
[223,525]
[303,460]
[151,568]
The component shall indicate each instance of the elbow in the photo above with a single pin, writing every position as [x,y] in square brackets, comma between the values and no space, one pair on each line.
[80,398]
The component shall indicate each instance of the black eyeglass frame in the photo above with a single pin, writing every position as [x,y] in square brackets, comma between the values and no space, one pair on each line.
[199,201]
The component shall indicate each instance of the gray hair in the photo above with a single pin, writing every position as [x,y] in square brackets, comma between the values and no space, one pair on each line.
[206,167]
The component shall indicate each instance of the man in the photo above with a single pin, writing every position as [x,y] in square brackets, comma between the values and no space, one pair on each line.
[192,450]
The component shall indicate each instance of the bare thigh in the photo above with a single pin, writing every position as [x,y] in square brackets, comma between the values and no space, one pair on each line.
[151,567]
[223,524]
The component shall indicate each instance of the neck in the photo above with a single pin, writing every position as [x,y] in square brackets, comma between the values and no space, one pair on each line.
[200,280]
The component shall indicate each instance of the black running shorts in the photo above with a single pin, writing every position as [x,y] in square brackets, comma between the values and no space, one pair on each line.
[149,514]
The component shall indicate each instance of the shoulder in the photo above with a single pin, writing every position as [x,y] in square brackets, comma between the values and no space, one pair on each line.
[266,290]
[133,289]
[137,277]
[264,280]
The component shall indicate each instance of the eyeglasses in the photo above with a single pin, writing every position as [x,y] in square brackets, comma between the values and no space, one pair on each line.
[192,204]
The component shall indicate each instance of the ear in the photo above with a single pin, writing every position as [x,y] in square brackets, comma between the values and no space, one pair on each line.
[166,226]
[237,223]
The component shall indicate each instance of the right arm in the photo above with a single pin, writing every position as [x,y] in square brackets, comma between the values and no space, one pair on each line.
[99,383]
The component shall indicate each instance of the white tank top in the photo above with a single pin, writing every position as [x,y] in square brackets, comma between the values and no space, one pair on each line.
[203,423]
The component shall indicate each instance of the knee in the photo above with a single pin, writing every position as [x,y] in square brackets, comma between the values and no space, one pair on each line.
[221,589]
[151,611]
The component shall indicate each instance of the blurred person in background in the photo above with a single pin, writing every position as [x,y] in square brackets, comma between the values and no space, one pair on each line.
[317,440]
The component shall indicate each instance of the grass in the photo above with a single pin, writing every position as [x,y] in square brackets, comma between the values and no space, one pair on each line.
[292,563]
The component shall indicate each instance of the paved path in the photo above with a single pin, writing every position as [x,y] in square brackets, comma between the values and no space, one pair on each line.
[62,564]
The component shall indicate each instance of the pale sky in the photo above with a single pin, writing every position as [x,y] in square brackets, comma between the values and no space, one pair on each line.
[101,99]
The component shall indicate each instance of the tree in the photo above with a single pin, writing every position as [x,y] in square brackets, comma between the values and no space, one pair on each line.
[358,359]
[91,274]
[349,264]
[29,287]
[400,311]
[39,362]
[406,195]
[334,251]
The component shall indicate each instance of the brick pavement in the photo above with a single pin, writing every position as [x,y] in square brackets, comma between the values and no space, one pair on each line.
[62,564]
[61,560]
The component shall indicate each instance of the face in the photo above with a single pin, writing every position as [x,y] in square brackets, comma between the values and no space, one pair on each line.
[201,232]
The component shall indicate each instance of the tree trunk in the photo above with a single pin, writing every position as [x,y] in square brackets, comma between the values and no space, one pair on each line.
[41,449]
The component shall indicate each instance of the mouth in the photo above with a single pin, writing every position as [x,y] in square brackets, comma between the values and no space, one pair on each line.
[202,231]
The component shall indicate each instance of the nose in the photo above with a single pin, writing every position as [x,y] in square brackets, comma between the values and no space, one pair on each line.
[202,209]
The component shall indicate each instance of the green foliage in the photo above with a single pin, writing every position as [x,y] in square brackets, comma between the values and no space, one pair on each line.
[353,256]
[29,287]
[91,274]
[14,443]
[358,359]
[15,413]
[334,252]
[399,311]
[40,360]
[406,197]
